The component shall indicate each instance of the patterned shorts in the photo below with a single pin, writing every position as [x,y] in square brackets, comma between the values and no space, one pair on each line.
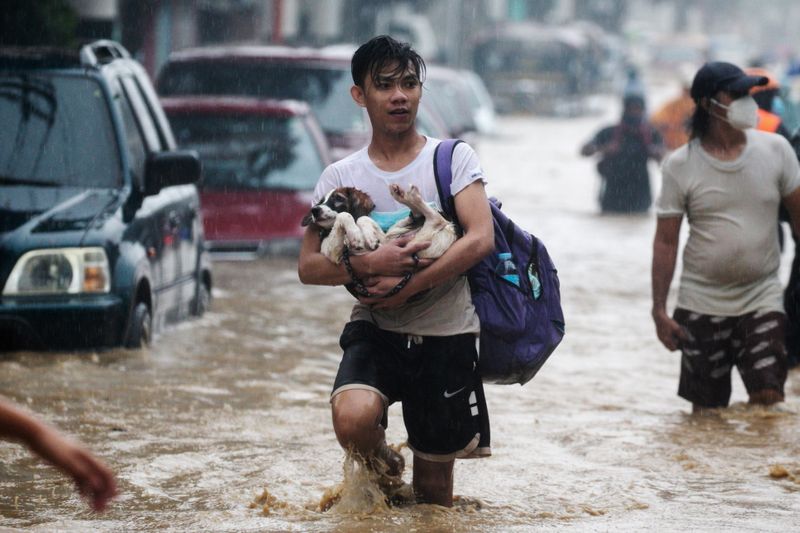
[754,343]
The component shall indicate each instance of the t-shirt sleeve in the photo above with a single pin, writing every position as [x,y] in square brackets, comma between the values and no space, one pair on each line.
[328,180]
[466,168]
[790,178]
[672,200]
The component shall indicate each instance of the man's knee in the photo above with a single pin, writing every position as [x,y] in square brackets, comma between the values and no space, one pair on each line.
[357,415]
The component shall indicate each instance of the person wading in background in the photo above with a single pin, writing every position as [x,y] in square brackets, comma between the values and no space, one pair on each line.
[625,149]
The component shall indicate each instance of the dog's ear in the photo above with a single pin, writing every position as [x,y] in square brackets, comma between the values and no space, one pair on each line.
[360,203]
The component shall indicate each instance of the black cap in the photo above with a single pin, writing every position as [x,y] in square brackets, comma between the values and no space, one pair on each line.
[721,76]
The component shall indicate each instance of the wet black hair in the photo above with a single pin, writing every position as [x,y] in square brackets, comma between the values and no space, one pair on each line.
[382,51]
[633,99]
[699,122]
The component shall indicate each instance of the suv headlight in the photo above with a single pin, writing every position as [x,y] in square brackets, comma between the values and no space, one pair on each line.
[60,271]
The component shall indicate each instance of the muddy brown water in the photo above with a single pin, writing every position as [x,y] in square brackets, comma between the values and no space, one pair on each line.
[224,423]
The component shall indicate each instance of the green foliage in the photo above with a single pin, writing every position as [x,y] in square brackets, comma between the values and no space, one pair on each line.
[37,23]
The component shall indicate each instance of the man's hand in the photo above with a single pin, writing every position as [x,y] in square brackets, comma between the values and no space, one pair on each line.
[669,332]
[381,285]
[93,479]
[394,258]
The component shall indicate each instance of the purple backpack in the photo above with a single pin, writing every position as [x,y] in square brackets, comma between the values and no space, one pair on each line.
[520,314]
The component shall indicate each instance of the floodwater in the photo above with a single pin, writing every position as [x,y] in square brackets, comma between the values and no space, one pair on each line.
[224,424]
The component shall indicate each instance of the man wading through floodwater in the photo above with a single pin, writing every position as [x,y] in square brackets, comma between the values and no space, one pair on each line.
[417,346]
[728,181]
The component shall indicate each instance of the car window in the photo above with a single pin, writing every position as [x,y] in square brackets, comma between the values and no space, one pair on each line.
[155,111]
[137,153]
[142,114]
[56,130]
[250,152]
[446,103]
[326,89]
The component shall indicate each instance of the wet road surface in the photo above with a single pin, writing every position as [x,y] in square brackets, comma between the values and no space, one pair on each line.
[224,424]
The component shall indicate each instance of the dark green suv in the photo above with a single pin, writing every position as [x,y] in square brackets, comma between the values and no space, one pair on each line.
[101,240]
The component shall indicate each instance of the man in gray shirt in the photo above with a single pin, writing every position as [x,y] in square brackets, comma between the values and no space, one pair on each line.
[729,182]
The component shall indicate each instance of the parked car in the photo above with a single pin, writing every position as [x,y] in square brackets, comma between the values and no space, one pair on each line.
[321,79]
[448,92]
[481,103]
[261,161]
[460,96]
[429,123]
[101,241]
[529,67]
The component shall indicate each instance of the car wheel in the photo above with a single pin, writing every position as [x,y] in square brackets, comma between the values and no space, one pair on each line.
[202,301]
[140,327]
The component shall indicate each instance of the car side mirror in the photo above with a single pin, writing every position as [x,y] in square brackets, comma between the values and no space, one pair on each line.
[165,169]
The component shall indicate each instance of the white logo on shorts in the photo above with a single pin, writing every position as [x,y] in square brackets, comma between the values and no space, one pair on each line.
[451,394]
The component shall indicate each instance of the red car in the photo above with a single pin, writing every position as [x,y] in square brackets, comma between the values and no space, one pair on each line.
[321,78]
[261,160]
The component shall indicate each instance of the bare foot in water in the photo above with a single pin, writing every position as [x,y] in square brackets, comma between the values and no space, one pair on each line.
[389,464]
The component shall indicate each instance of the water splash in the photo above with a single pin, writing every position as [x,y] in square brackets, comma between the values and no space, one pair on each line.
[365,491]
[268,503]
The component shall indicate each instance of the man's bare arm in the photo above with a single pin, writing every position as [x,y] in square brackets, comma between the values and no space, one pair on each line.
[92,477]
[792,204]
[665,253]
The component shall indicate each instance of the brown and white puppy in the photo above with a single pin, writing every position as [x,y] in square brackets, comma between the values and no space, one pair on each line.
[343,216]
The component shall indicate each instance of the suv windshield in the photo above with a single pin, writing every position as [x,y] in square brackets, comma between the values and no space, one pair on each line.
[56,131]
[250,152]
[325,88]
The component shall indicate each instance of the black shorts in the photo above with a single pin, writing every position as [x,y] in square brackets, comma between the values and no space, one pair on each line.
[753,342]
[435,378]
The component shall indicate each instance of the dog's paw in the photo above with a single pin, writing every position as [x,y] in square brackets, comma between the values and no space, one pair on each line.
[397,192]
[371,241]
[413,194]
[355,240]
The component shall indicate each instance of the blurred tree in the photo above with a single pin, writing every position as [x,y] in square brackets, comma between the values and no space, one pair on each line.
[39,23]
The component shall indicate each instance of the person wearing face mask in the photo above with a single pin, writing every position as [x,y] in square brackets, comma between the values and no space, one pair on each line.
[625,149]
[728,182]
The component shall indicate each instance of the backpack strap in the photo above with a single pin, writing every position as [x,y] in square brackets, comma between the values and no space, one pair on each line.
[443,171]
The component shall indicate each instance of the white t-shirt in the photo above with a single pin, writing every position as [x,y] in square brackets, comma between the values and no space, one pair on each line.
[731,259]
[446,309]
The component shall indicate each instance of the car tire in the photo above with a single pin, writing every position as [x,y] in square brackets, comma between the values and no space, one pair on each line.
[140,328]
[202,300]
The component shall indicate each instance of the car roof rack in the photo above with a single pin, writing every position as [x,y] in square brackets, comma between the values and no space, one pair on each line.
[102,52]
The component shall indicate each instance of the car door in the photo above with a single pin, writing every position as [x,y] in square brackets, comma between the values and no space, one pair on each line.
[164,210]
[187,199]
